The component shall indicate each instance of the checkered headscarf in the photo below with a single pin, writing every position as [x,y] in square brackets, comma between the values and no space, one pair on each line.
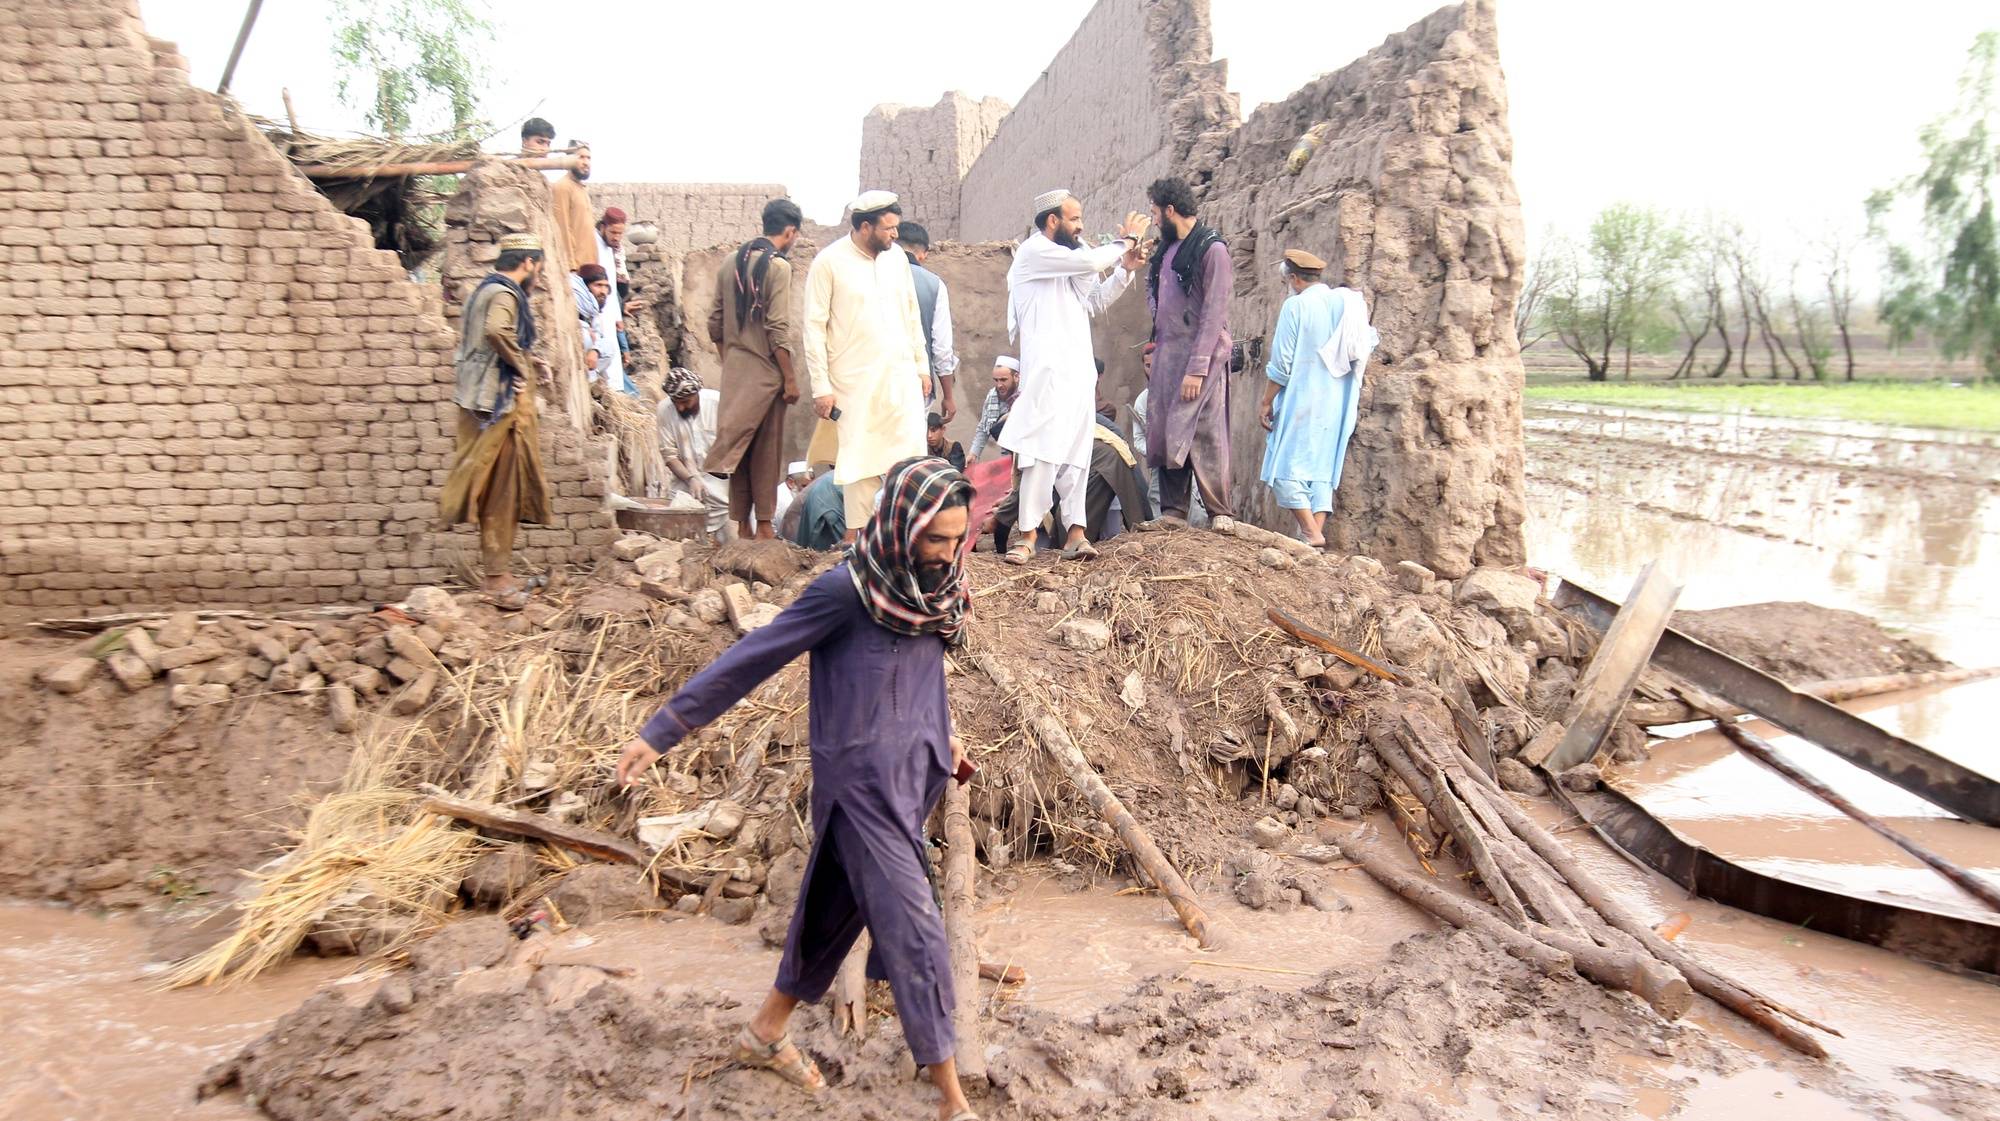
[681,381]
[883,558]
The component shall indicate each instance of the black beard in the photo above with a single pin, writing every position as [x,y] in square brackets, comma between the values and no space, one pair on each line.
[931,577]
[1169,235]
[1068,240]
[691,410]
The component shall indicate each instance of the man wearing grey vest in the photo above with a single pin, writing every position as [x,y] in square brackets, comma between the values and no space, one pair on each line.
[934,307]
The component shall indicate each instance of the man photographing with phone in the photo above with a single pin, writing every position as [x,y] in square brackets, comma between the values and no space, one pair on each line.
[877,626]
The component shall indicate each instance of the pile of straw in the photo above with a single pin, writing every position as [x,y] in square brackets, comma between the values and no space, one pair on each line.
[633,424]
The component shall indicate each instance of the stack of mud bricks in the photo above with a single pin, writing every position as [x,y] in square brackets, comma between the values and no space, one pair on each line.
[922,153]
[691,215]
[213,388]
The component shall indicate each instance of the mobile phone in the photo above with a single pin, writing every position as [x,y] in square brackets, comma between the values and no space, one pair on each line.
[966,769]
[834,415]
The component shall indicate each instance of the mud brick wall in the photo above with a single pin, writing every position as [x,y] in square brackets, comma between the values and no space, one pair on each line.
[692,215]
[923,153]
[1119,106]
[1411,201]
[213,389]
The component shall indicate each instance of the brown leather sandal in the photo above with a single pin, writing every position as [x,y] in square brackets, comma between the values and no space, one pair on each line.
[798,1070]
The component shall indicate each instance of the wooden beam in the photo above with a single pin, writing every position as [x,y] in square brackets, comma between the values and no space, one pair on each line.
[444,167]
[1613,671]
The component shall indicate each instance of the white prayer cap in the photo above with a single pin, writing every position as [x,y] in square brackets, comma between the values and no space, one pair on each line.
[872,201]
[1049,200]
[798,467]
[1011,363]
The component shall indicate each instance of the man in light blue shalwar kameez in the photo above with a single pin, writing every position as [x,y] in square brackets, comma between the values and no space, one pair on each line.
[1313,395]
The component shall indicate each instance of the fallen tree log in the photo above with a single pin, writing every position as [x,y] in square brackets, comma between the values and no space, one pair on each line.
[1153,863]
[1551,951]
[959,903]
[1755,746]
[1751,1005]
[1653,713]
[1430,789]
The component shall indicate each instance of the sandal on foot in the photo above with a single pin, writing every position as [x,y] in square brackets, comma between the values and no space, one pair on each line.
[511,600]
[798,1070]
[1082,550]
[1019,554]
[1163,522]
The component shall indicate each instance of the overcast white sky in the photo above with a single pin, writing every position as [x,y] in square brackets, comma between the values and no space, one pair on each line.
[1784,114]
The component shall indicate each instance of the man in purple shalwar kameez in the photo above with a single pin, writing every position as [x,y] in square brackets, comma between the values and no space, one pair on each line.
[877,627]
[1187,423]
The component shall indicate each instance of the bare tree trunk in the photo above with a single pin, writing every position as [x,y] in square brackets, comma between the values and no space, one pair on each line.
[1847,348]
[1722,329]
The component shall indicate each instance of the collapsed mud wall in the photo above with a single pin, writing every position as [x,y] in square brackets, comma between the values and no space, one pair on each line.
[1123,103]
[1411,200]
[691,215]
[922,153]
[213,388]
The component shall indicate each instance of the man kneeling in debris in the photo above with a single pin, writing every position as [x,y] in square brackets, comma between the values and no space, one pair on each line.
[877,626]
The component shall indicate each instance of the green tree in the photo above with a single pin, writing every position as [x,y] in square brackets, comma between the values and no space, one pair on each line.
[412,67]
[1611,298]
[1948,281]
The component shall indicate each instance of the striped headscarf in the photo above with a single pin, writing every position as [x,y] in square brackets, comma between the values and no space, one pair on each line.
[680,382]
[883,558]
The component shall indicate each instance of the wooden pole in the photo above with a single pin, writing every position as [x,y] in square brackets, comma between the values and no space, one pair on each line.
[1152,862]
[590,842]
[960,900]
[1753,1006]
[1757,748]
[1551,951]
[1613,671]
[444,167]
[242,39]
[850,991]
[1443,807]
[1311,637]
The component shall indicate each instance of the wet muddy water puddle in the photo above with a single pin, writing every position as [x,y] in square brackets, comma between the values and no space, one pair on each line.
[1899,524]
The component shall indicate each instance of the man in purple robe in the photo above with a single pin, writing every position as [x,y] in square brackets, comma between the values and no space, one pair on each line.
[1187,422]
[877,626]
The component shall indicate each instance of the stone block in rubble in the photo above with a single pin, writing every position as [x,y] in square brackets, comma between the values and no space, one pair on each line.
[1414,577]
[495,878]
[416,694]
[259,667]
[632,547]
[737,602]
[130,671]
[178,630]
[539,614]
[226,672]
[138,641]
[1517,776]
[70,675]
[1583,778]
[761,615]
[662,566]
[362,679]
[1084,634]
[708,606]
[185,675]
[329,657]
[312,684]
[430,601]
[457,651]
[404,670]
[194,696]
[430,636]
[1498,592]
[187,655]
[374,652]
[283,679]
[343,711]
[1274,558]
[735,912]
[404,643]
[270,649]
[602,892]
[1357,567]
[1269,833]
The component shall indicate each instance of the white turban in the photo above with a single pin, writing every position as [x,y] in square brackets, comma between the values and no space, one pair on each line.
[1049,200]
[872,201]
[798,467]
[1013,364]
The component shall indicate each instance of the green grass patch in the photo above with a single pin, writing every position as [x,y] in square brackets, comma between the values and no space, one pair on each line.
[1917,404]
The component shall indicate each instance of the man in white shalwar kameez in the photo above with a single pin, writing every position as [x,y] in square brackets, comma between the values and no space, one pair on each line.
[1053,288]
[864,351]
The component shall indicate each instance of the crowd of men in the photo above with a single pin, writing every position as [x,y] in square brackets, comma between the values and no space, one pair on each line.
[873,348]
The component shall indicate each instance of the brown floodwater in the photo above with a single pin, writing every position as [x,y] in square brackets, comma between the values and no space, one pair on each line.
[1899,524]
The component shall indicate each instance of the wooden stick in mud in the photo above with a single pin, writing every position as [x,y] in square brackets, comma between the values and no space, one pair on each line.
[1751,1005]
[1554,952]
[959,903]
[522,823]
[1843,689]
[1448,809]
[1055,739]
[1755,746]
[850,991]
[1311,637]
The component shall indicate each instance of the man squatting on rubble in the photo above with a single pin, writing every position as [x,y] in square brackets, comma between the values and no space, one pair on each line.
[864,344]
[877,626]
[750,323]
[496,478]
[1054,287]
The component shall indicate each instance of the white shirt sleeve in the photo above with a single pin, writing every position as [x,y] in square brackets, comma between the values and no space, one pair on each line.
[944,362]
